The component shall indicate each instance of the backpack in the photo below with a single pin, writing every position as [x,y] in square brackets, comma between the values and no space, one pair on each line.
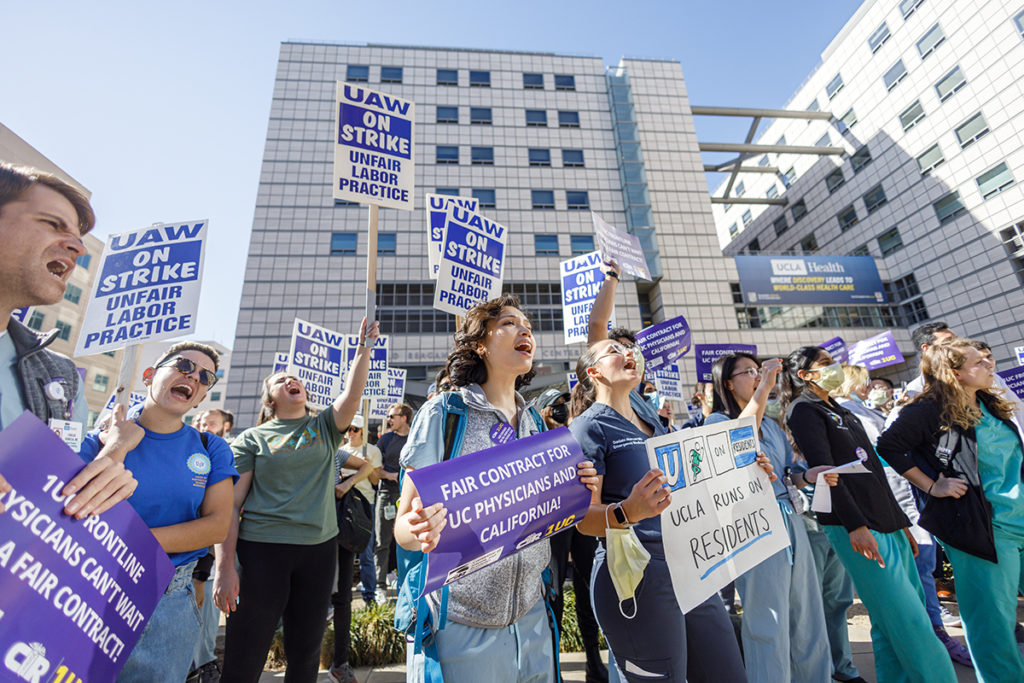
[413,616]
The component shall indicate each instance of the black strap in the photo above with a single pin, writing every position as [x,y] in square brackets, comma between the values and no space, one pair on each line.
[204,437]
[451,425]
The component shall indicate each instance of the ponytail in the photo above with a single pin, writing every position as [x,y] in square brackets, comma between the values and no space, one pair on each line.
[792,385]
[585,392]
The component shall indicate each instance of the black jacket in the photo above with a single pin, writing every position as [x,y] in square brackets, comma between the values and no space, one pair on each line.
[828,434]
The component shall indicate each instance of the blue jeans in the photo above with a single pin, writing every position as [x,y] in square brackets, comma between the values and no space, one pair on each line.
[209,615]
[164,652]
[925,562]
[367,575]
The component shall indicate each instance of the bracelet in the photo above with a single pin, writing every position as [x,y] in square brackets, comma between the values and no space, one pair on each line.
[612,273]
[930,488]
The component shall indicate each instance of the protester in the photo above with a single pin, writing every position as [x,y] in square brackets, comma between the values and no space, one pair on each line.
[866,527]
[497,624]
[784,636]
[702,398]
[355,444]
[880,391]
[631,495]
[399,417]
[184,497]
[286,540]
[958,442]
[42,222]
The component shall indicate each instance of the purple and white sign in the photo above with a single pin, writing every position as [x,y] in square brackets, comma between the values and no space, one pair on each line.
[396,394]
[501,500]
[316,356]
[624,248]
[836,348]
[472,260]
[437,216]
[22,314]
[377,381]
[875,352]
[669,382]
[664,342]
[280,362]
[581,278]
[75,595]
[571,376]
[1014,378]
[707,354]
[1018,351]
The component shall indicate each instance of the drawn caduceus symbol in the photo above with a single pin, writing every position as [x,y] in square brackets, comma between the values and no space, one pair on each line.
[695,460]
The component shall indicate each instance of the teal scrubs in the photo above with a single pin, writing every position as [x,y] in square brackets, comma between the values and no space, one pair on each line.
[987,591]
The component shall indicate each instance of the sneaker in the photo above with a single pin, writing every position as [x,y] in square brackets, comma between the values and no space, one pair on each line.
[957,652]
[342,674]
[949,620]
[392,579]
[209,672]
[381,596]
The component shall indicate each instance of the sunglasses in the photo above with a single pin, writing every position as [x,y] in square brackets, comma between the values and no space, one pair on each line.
[354,429]
[186,367]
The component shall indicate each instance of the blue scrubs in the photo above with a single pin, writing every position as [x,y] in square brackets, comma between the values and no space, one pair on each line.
[784,635]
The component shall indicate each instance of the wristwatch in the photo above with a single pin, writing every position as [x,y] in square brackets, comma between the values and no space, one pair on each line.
[620,516]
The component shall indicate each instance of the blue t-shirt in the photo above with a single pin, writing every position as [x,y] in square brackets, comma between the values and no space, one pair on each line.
[774,444]
[617,449]
[173,471]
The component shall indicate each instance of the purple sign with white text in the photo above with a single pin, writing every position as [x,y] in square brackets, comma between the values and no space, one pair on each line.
[625,249]
[875,352]
[501,500]
[75,595]
[836,348]
[1014,378]
[707,354]
[664,342]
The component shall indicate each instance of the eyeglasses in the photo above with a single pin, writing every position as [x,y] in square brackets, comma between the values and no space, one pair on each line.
[749,372]
[186,367]
[615,350]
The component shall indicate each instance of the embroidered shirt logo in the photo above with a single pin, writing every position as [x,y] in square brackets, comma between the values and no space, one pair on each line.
[199,465]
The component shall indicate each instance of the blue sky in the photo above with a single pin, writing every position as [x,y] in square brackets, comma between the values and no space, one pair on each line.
[161,109]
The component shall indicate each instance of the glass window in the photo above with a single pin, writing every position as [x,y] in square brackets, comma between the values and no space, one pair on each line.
[447,114]
[874,198]
[747,218]
[860,159]
[799,209]
[565,82]
[63,330]
[950,83]
[536,117]
[781,140]
[862,250]
[754,246]
[733,230]
[482,156]
[447,76]
[824,140]
[83,261]
[910,116]
[343,243]
[480,115]
[480,79]
[896,73]
[447,191]
[542,199]
[581,244]
[357,73]
[763,161]
[572,158]
[789,176]
[35,321]
[577,199]
[740,189]
[772,192]
[568,119]
[809,244]
[970,130]
[1018,22]
[834,180]
[447,154]
[485,198]
[890,241]
[990,183]
[386,243]
[214,395]
[100,382]
[931,158]
[834,86]
[907,7]
[540,157]
[72,293]
[545,245]
[848,121]
[931,40]
[814,106]
[847,218]
[391,74]
[780,225]
[878,38]
[533,81]
[949,207]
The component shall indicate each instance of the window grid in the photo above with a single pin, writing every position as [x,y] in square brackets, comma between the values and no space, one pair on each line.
[480,79]
[809,244]
[878,38]
[896,73]
[545,245]
[930,159]
[482,156]
[971,130]
[63,330]
[387,243]
[72,293]
[907,7]
[949,84]
[799,210]
[994,181]
[949,207]
[912,115]
[447,77]
[447,154]
[480,115]
[1013,242]
[577,199]
[533,81]
[780,225]
[747,218]
[568,119]
[835,180]
[357,73]
[581,244]
[860,159]
[536,118]
[572,158]
[447,115]
[931,40]
[485,198]
[343,243]
[890,241]
[35,321]
[391,74]
[539,157]
[874,199]
[542,199]
[847,218]
[834,86]
[565,82]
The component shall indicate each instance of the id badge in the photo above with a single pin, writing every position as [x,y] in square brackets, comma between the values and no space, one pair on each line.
[797,499]
[70,432]
[390,512]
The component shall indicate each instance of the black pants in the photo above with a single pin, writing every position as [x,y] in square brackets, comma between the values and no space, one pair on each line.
[342,601]
[279,581]
[582,548]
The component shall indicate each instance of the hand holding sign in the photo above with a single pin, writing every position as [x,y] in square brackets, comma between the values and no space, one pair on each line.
[822,496]
[426,524]
[648,497]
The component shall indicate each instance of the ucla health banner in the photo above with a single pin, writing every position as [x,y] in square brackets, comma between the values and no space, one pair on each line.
[437,216]
[146,289]
[875,352]
[471,261]
[75,594]
[581,279]
[707,354]
[373,152]
[316,357]
[776,280]
[723,518]
[501,500]
[664,342]
[623,247]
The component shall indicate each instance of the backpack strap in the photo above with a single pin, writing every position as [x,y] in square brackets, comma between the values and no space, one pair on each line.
[541,425]
[205,438]
[453,411]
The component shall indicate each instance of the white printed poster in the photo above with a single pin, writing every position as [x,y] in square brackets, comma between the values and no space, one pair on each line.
[437,216]
[668,380]
[315,356]
[581,279]
[471,261]
[377,377]
[395,394]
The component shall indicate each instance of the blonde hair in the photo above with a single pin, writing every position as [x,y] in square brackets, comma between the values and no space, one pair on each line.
[939,363]
[855,376]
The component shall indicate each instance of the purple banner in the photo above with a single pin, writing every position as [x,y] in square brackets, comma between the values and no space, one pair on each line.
[501,500]
[76,594]
[836,348]
[875,352]
[1014,378]
[664,342]
[707,354]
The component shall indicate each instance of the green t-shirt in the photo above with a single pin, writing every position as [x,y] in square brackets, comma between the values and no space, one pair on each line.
[291,499]
[999,464]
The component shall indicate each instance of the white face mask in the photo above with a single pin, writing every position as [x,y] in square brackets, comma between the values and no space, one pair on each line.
[878,397]
[627,559]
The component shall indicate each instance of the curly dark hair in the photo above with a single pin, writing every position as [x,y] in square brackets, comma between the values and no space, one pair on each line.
[464,365]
